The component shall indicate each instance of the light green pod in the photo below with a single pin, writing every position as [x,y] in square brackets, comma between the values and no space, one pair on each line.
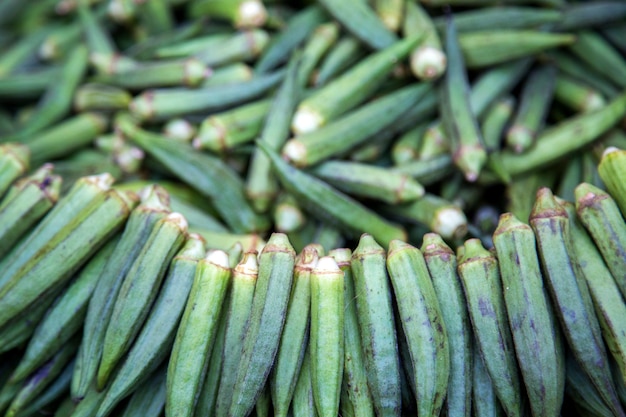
[577,95]
[194,340]
[612,168]
[149,398]
[241,13]
[327,335]
[377,326]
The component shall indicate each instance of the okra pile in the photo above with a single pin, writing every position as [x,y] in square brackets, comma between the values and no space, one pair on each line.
[320,208]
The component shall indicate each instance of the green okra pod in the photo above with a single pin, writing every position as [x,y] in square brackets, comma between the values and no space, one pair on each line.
[165,103]
[351,88]
[458,116]
[288,216]
[427,171]
[496,119]
[577,94]
[93,96]
[323,38]
[442,267]
[600,215]
[428,60]
[583,15]
[406,147]
[267,317]
[345,53]
[390,13]
[326,342]
[354,127]
[354,372]
[324,201]
[196,333]
[376,325]
[600,55]
[149,398]
[237,311]
[478,270]
[532,110]
[369,181]
[423,325]
[27,84]
[241,13]
[303,404]
[501,17]
[154,341]
[242,46]
[536,338]
[483,396]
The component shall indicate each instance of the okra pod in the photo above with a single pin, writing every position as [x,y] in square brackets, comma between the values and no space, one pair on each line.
[428,61]
[577,95]
[502,17]
[345,53]
[612,168]
[322,39]
[600,55]
[241,13]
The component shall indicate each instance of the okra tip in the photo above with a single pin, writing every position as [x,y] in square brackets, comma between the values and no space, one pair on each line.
[519,138]
[279,242]
[367,244]
[508,222]
[428,63]
[434,245]
[251,13]
[306,120]
[610,150]
[397,245]
[450,222]
[327,265]
[248,265]
[295,152]
[219,258]
[141,106]
[587,195]
[342,255]
[546,205]
[473,249]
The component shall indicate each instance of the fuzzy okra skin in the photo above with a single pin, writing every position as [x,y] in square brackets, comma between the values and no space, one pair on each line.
[536,338]
[196,333]
[423,325]
[377,326]
[266,321]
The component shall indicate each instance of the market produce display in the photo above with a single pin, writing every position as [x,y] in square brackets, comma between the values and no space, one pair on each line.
[317,208]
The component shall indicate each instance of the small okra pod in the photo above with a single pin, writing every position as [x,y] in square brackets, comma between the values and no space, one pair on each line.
[196,333]
[586,15]
[568,136]
[191,46]
[27,84]
[242,46]
[261,185]
[600,55]
[288,215]
[361,20]
[435,142]
[26,202]
[458,116]
[533,107]
[93,96]
[82,237]
[321,200]
[601,216]
[155,340]
[612,170]
[377,325]
[295,335]
[226,130]
[138,291]
[168,102]
[478,270]
[354,373]
[225,240]
[299,27]
[96,36]
[327,335]
[369,181]
[608,304]
[537,341]
[485,48]
[428,61]
[345,53]
[442,267]
[353,128]
[265,324]
[521,192]
[65,316]
[190,72]
[66,137]
[207,174]
[423,325]
[496,119]
[236,315]
[501,17]
[60,41]
[241,13]
[113,63]
[441,216]
[406,147]
[322,39]
[577,94]
[350,89]
[570,293]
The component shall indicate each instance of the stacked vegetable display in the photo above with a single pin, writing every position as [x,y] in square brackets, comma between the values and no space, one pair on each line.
[338,208]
